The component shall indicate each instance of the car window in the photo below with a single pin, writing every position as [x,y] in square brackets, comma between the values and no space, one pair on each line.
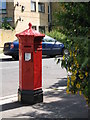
[48,39]
[43,40]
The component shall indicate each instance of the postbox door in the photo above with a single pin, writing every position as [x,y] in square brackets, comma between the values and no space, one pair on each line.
[27,68]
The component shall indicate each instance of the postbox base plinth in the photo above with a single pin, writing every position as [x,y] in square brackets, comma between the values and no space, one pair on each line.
[30,96]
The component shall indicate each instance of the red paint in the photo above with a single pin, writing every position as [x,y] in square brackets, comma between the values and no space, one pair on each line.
[30,72]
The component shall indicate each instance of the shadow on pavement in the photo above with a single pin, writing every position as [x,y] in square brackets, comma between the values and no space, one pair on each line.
[56,104]
[45,56]
[61,83]
[11,59]
[12,105]
[7,60]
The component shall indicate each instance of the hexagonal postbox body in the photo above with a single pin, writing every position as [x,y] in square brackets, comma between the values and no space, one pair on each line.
[30,66]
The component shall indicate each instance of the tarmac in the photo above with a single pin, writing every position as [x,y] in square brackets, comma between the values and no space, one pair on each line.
[57,104]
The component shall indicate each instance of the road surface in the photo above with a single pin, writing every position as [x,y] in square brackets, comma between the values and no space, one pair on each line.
[9,75]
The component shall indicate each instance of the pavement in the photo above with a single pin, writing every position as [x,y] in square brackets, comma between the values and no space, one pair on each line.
[2,56]
[56,104]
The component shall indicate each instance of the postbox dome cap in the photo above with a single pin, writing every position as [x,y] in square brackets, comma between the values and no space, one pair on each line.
[30,32]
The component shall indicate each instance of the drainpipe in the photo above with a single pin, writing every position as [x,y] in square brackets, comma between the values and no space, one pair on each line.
[50,16]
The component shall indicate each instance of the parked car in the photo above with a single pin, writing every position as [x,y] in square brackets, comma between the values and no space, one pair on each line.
[12,49]
[50,47]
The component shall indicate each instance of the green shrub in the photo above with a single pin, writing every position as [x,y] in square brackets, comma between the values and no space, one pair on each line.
[6,25]
[76,63]
[57,35]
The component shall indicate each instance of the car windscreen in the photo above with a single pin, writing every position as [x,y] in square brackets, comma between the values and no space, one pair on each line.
[48,39]
[16,40]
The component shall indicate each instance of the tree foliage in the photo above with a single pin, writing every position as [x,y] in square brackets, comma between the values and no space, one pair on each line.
[6,25]
[74,21]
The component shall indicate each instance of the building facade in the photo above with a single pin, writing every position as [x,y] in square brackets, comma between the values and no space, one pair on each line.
[18,13]
[31,11]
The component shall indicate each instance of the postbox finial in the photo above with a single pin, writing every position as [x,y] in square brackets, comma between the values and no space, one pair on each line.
[30,25]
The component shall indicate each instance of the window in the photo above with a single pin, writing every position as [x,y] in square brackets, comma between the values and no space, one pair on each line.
[8,19]
[33,6]
[41,7]
[49,13]
[34,27]
[42,29]
[2,7]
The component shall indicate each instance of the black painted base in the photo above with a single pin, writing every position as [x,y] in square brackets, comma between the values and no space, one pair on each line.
[30,96]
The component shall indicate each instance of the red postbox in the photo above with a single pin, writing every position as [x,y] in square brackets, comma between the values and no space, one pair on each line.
[30,66]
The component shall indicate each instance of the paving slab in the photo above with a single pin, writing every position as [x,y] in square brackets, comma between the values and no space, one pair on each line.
[56,104]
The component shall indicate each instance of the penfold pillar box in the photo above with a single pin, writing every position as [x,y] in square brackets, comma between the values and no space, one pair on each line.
[30,66]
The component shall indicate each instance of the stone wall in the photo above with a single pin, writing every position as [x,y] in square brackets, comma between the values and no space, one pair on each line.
[6,36]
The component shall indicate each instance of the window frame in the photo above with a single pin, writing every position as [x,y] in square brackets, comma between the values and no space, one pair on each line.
[34,27]
[42,5]
[3,11]
[43,29]
[32,2]
[3,8]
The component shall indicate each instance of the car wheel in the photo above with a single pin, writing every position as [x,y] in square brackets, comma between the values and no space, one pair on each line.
[15,57]
[65,52]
